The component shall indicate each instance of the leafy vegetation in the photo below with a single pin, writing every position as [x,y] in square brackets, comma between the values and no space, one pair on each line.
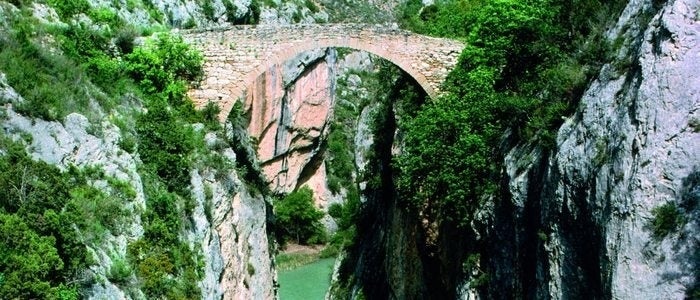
[290,261]
[523,71]
[298,219]
[515,74]
[667,218]
[47,220]
[98,71]
[67,9]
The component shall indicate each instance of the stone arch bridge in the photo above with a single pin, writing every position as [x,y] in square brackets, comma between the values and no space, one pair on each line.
[236,56]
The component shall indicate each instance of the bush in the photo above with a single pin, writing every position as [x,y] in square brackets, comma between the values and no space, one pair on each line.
[120,271]
[298,219]
[163,62]
[51,85]
[165,266]
[29,260]
[166,145]
[46,217]
[66,9]
[667,218]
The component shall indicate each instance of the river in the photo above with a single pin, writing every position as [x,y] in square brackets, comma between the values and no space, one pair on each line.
[308,282]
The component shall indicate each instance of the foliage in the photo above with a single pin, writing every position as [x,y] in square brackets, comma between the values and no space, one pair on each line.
[340,162]
[445,18]
[311,6]
[289,261]
[298,219]
[208,9]
[67,210]
[104,15]
[513,74]
[165,144]
[44,80]
[252,16]
[28,259]
[66,9]
[165,266]
[667,218]
[46,217]
[120,271]
[165,66]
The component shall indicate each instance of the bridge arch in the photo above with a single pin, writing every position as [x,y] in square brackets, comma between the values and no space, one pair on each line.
[236,56]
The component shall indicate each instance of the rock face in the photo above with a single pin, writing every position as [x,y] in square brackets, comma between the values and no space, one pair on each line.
[290,106]
[579,218]
[233,237]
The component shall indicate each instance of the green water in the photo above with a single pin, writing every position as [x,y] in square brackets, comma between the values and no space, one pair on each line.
[308,282]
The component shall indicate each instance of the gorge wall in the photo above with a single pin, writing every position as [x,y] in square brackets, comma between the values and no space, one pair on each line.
[578,221]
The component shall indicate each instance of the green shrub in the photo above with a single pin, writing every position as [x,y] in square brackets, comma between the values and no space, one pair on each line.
[189,24]
[208,10]
[104,15]
[165,266]
[298,219]
[29,260]
[51,85]
[46,217]
[66,9]
[162,63]
[120,271]
[124,40]
[311,6]
[251,269]
[252,16]
[210,116]
[513,75]
[667,218]
[165,145]
[289,261]
[335,210]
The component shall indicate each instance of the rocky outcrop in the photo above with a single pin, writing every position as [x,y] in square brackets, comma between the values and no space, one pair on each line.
[76,142]
[295,11]
[230,225]
[290,106]
[578,221]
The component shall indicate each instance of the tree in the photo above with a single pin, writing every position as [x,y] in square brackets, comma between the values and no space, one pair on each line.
[298,218]
[28,260]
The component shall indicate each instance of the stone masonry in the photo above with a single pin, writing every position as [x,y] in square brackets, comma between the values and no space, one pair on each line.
[236,56]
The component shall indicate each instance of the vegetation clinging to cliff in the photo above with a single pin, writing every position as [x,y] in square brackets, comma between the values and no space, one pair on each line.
[524,69]
[97,71]
[43,255]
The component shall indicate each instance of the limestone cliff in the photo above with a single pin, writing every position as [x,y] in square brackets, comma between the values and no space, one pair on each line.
[228,221]
[227,226]
[578,220]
